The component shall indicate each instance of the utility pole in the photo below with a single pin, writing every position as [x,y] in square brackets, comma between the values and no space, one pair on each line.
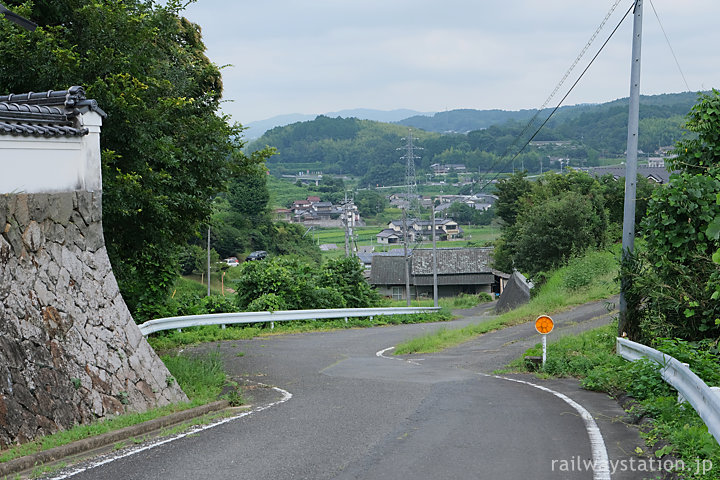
[208,249]
[434,238]
[347,226]
[628,238]
[407,258]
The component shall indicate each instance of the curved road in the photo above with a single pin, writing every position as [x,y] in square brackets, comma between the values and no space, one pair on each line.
[345,408]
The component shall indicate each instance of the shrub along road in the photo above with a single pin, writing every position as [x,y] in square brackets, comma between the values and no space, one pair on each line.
[357,412]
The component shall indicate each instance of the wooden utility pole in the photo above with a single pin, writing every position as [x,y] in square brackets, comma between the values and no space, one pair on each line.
[628,239]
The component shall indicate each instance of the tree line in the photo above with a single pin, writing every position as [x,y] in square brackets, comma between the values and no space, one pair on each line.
[673,277]
[368,149]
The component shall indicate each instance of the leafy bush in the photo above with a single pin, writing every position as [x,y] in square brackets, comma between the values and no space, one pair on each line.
[267,302]
[299,285]
[701,356]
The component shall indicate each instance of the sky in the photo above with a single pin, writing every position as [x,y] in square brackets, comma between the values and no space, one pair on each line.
[316,56]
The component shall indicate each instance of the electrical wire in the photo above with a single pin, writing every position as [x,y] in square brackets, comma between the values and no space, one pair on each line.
[670,46]
[562,100]
[557,88]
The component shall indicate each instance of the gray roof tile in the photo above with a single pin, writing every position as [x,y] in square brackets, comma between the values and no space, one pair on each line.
[46,114]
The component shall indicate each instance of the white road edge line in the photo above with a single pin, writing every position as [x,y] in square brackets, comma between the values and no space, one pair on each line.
[381,354]
[198,428]
[601,463]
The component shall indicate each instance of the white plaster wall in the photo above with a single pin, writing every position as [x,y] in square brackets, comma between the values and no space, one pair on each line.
[50,164]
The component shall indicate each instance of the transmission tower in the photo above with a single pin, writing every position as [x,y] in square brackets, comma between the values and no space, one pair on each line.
[410,197]
[409,157]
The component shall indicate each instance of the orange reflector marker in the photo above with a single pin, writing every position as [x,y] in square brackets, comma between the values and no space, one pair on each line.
[544,324]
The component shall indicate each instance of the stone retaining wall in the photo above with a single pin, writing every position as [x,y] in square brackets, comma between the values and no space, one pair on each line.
[70,351]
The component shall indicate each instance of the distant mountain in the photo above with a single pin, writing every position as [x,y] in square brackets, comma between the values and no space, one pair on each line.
[369,150]
[468,120]
[257,129]
[464,120]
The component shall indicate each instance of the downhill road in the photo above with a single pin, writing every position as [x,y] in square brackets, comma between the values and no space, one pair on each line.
[344,407]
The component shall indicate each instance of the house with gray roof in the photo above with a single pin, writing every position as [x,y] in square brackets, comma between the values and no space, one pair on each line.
[459,270]
[445,229]
[657,174]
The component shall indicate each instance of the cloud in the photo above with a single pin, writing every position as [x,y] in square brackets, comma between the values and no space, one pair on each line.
[325,55]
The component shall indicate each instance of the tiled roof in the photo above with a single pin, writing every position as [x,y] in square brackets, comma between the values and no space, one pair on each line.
[656,174]
[455,265]
[46,114]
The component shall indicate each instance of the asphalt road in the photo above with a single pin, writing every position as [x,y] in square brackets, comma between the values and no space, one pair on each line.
[341,409]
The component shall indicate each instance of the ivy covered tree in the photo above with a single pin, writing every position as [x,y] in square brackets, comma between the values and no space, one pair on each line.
[166,150]
[677,283]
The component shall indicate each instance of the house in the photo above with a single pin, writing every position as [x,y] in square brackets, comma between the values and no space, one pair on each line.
[418,230]
[388,237]
[656,162]
[301,205]
[322,206]
[313,211]
[442,169]
[654,174]
[283,214]
[459,270]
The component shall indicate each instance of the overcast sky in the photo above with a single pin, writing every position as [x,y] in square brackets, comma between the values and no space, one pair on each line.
[317,56]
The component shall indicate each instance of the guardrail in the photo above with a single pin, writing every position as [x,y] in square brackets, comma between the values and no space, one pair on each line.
[173,323]
[705,400]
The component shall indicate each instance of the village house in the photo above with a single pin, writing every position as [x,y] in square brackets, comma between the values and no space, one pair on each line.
[443,169]
[418,230]
[313,211]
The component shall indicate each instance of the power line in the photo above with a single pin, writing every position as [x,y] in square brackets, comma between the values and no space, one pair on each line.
[670,46]
[559,103]
[557,88]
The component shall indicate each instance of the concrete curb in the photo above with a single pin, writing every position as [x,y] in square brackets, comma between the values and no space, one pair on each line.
[81,446]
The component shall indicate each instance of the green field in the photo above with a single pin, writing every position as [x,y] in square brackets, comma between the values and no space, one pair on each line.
[474,236]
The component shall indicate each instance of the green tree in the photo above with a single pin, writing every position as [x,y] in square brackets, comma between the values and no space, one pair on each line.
[248,194]
[677,290]
[345,275]
[547,234]
[370,202]
[560,216]
[509,191]
[166,151]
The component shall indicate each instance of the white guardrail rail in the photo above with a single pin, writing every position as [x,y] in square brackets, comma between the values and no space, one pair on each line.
[173,323]
[705,400]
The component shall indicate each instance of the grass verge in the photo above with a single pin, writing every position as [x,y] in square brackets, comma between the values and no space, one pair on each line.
[202,378]
[461,301]
[584,279]
[675,431]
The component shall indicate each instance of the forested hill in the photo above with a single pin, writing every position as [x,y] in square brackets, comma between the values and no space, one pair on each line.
[467,120]
[370,150]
